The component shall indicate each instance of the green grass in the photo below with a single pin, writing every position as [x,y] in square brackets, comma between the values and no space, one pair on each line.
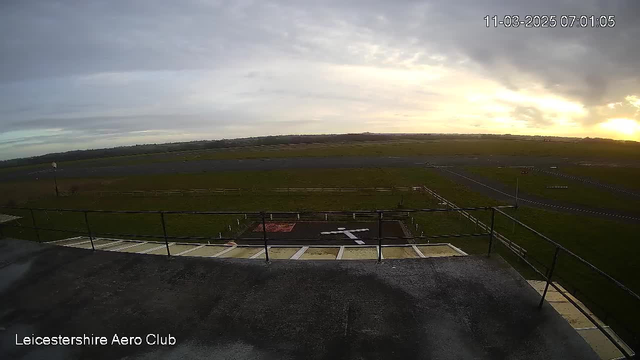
[610,245]
[415,148]
[479,147]
[250,180]
[535,183]
[626,177]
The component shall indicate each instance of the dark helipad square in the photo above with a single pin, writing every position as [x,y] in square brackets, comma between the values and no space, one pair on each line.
[310,232]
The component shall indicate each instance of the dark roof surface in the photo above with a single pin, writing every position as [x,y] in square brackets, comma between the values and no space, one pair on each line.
[434,308]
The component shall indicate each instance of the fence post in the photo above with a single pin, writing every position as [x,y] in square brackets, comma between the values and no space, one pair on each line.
[35,226]
[493,218]
[86,221]
[546,287]
[264,236]
[379,236]
[164,231]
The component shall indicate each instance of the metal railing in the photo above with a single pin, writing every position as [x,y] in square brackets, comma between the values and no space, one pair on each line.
[262,217]
[549,274]
[372,215]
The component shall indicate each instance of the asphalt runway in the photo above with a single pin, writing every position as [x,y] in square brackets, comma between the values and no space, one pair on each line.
[501,192]
[286,163]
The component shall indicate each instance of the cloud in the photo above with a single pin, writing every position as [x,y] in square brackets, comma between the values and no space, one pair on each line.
[208,67]
[534,117]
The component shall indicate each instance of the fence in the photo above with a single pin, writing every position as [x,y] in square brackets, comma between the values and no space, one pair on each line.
[379,216]
[549,273]
[238,191]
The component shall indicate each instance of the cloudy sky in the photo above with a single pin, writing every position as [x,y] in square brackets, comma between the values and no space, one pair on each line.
[89,74]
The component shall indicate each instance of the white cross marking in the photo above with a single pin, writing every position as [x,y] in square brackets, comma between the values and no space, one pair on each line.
[349,234]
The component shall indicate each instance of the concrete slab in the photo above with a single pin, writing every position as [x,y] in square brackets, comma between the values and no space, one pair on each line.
[116,245]
[178,248]
[571,314]
[162,250]
[242,252]
[209,250]
[351,253]
[87,245]
[434,308]
[280,253]
[602,345]
[400,252]
[70,241]
[437,250]
[328,253]
[140,247]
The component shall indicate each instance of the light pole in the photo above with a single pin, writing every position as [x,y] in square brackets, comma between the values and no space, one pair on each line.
[55,180]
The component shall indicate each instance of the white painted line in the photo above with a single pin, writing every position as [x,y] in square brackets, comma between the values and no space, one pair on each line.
[57,241]
[340,252]
[190,250]
[223,251]
[154,249]
[591,328]
[297,255]
[128,246]
[415,248]
[78,243]
[259,253]
[457,249]
[107,244]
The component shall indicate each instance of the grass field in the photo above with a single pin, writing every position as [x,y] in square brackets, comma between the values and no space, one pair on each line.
[479,147]
[535,183]
[626,177]
[610,245]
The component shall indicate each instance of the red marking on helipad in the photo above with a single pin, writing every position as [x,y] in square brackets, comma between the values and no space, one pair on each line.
[276,227]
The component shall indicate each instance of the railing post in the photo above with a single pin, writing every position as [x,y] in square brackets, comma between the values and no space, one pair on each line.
[164,231]
[379,236]
[86,221]
[546,287]
[35,226]
[264,237]
[493,219]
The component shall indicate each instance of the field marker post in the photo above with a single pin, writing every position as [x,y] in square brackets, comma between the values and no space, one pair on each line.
[515,211]
[264,236]
[164,231]
[546,287]
[35,226]
[86,221]
[379,236]
[493,219]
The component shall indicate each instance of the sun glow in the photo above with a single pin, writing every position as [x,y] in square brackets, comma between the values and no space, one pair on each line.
[622,126]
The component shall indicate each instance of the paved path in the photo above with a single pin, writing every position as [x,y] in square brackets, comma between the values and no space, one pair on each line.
[593,182]
[502,192]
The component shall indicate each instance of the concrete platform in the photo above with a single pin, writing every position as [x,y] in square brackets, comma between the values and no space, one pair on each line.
[464,307]
[587,329]
[276,252]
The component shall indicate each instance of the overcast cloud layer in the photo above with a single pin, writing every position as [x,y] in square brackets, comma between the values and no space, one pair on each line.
[88,74]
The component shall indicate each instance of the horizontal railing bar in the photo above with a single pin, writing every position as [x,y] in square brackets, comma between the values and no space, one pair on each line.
[302,212]
[593,320]
[593,267]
